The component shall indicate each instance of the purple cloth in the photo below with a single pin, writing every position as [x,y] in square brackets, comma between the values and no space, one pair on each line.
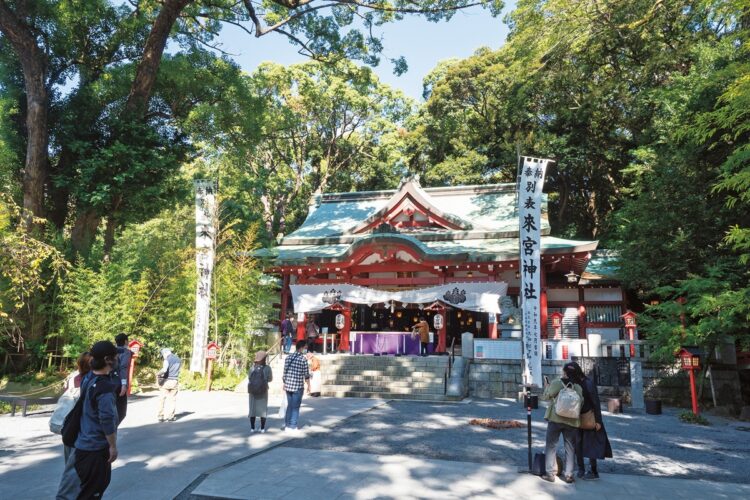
[390,343]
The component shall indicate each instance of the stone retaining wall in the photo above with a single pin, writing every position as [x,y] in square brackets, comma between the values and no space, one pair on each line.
[502,379]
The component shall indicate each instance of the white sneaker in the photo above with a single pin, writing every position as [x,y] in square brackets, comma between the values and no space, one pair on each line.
[252,431]
[262,431]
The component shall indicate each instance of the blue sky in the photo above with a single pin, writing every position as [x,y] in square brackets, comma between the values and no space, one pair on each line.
[422,43]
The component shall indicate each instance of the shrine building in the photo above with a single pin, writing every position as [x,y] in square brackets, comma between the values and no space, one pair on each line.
[366,266]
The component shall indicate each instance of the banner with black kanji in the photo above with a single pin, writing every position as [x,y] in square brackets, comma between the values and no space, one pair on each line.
[205,244]
[530,223]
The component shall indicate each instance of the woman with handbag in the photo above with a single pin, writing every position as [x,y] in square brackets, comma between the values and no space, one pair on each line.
[592,442]
[563,418]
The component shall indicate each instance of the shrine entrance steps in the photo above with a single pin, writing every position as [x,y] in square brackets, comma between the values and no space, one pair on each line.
[382,377]
[385,377]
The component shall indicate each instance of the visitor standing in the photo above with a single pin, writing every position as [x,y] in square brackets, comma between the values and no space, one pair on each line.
[316,377]
[89,468]
[296,376]
[122,371]
[423,329]
[313,332]
[287,330]
[257,386]
[70,396]
[592,443]
[169,385]
[563,417]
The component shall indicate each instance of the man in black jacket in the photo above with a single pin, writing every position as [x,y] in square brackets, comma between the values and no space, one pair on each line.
[122,371]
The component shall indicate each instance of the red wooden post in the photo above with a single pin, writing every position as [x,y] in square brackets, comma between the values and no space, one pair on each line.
[492,326]
[212,350]
[301,327]
[442,331]
[693,394]
[344,340]
[135,348]
[629,318]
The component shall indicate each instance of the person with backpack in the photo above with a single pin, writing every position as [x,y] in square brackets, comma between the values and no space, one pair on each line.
[257,386]
[91,427]
[69,397]
[122,372]
[563,417]
[592,443]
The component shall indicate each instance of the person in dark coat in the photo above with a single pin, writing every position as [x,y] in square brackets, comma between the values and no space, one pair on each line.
[592,443]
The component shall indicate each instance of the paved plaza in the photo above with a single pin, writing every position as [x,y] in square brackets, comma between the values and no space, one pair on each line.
[361,448]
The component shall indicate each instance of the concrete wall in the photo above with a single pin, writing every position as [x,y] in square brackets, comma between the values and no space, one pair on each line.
[502,379]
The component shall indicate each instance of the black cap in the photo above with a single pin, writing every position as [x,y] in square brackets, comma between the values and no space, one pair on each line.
[102,349]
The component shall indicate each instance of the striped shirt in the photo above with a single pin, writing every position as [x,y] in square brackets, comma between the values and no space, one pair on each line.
[296,371]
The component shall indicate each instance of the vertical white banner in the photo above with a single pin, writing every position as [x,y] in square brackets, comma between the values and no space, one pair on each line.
[205,236]
[529,236]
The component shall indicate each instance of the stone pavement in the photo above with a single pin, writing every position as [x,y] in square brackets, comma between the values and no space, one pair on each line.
[157,461]
[654,445]
[361,448]
[328,475]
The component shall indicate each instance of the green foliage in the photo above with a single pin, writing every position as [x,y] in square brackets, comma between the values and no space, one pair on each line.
[691,418]
[223,379]
[28,267]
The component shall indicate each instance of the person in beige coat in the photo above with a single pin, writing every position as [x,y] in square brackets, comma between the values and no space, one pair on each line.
[257,385]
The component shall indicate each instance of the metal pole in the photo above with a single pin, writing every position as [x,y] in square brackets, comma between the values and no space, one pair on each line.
[528,423]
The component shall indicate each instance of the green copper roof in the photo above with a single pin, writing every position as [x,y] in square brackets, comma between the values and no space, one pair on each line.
[488,207]
[474,250]
[480,224]
[603,264]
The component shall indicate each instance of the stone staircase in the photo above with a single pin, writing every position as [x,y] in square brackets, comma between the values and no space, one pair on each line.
[385,377]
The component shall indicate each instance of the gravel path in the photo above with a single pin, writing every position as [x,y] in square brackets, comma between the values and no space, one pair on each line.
[654,445]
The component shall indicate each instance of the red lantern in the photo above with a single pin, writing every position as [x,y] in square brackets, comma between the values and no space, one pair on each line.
[690,361]
[629,318]
[556,318]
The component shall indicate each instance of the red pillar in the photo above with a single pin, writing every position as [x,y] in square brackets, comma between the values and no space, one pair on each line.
[492,326]
[693,395]
[543,304]
[344,339]
[284,296]
[442,332]
[301,328]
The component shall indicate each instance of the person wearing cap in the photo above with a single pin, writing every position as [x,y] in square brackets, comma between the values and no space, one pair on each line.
[257,386]
[122,369]
[168,380]
[89,467]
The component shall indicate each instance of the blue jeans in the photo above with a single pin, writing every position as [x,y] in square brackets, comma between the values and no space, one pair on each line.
[293,402]
[287,343]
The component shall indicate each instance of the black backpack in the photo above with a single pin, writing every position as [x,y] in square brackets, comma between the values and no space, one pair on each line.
[72,424]
[257,385]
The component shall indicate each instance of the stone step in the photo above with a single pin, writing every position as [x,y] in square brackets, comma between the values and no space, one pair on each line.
[383,380]
[381,390]
[372,395]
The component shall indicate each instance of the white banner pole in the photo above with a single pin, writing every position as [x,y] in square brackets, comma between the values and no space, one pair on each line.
[205,235]
[530,265]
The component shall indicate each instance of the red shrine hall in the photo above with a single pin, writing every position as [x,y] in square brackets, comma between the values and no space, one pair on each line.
[365,267]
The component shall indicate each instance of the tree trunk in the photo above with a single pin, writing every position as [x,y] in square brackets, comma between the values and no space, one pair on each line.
[83,234]
[33,65]
[59,196]
[109,236]
[148,67]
